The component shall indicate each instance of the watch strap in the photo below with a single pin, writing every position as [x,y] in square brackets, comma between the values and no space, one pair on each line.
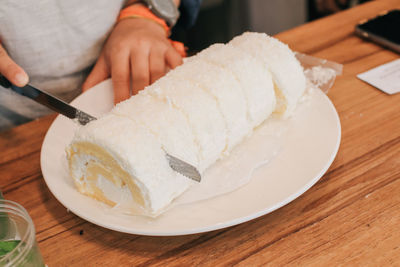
[164,9]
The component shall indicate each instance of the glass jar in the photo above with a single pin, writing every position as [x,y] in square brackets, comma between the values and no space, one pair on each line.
[18,246]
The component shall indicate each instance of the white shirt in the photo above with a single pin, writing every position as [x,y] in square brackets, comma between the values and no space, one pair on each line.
[55,42]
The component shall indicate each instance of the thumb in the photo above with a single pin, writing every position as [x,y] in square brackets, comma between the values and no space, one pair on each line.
[98,74]
[14,73]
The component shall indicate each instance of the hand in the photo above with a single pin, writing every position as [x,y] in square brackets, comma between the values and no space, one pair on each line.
[9,69]
[136,53]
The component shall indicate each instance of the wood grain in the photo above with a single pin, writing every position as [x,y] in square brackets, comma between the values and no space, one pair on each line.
[350,217]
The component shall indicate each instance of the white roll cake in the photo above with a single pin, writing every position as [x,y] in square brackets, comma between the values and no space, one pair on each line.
[198,113]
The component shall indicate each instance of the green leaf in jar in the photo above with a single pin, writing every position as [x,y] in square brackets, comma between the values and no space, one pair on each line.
[8,246]
[3,222]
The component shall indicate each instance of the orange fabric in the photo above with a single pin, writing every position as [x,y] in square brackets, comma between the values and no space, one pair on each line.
[179,47]
[140,11]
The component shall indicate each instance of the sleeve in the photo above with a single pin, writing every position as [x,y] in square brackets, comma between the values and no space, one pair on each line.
[189,10]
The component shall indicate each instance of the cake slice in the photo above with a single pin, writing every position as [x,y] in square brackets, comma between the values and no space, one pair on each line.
[254,78]
[201,110]
[127,155]
[226,90]
[287,73]
[167,123]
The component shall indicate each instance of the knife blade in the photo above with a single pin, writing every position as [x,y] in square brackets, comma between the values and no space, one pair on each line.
[49,101]
[83,118]
[183,168]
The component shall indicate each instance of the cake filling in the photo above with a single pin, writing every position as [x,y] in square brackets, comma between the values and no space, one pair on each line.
[100,163]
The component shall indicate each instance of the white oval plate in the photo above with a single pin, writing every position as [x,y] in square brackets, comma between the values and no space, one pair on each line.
[310,146]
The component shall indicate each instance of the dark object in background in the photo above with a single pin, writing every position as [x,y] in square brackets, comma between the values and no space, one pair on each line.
[315,12]
[220,22]
[189,9]
[215,24]
[383,30]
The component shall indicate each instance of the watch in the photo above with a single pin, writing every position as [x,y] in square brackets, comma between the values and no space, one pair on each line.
[164,9]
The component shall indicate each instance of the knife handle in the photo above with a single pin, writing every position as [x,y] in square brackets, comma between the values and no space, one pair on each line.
[25,91]
[4,82]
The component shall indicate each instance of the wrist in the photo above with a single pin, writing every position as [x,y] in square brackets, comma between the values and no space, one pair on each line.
[140,11]
[143,24]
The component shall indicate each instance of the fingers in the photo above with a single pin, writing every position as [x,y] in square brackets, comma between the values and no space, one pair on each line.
[140,70]
[14,73]
[173,58]
[157,64]
[146,68]
[98,74]
[120,76]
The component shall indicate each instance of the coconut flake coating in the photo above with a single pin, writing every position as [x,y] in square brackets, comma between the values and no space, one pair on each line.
[197,112]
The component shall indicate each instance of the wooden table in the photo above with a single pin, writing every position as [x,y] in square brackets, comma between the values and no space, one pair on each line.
[351,216]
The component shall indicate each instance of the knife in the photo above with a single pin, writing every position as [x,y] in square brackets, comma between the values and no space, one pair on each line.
[83,118]
[49,101]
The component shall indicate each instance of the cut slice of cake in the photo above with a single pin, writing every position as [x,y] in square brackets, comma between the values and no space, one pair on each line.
[226,90]
[201,110]
[127,155]
[166,122]
[286,70]
[251,73]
